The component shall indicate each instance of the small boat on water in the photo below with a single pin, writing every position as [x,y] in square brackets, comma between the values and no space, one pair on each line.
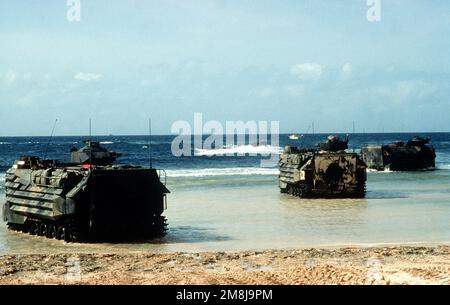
[294,137]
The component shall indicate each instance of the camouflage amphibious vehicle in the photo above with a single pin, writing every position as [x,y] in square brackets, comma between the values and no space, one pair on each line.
[416,154]
[86,199]
[325,172]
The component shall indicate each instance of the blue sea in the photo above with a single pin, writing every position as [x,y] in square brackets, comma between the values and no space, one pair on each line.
[230,203]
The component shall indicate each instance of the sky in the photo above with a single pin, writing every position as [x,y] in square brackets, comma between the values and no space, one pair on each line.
[292,61]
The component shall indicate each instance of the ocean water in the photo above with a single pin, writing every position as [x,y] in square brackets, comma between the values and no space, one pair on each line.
[230,203]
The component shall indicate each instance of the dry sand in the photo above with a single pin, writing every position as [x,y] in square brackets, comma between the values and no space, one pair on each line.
[381,265]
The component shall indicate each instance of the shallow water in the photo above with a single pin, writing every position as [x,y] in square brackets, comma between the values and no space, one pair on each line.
[230,204]
[246,214]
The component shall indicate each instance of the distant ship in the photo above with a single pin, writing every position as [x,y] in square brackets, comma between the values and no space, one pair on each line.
[294,137]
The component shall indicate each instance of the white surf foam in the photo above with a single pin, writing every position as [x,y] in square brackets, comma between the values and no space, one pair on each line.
[240,150]
[443,166]
[386,170]
[233,171]
[106,142]
[2,180]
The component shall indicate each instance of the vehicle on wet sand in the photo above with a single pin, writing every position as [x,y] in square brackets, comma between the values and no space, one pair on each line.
[85,199]
[327,171]
[416,154]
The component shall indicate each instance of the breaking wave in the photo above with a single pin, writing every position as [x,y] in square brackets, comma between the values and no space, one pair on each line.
[371,170]
[2,181]
[233,171]
[443,166]
[241,150]
[106,142]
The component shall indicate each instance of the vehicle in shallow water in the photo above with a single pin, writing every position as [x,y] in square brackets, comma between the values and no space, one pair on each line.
[327,171]
[416,154]
[87,199]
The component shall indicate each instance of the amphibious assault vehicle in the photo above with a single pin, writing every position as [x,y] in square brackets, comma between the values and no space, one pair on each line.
[416,154]
[85,199]
[327,171]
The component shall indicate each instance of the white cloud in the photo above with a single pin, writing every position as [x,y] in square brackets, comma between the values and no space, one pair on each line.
[27,76]
[405,91]
[346,71]
[347,68]
[10,77]
[307,71]
[414,89]
[265,92]
[295,90]
[87,76]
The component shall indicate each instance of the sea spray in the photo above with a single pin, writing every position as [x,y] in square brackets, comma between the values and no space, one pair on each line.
[251,150]
[235,171]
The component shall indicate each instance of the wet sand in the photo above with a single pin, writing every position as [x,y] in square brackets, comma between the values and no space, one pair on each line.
[356,265]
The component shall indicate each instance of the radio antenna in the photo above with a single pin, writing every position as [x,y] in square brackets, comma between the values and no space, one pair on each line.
[50,140]
[303,136]
[353,135]
[90,142]
[149,142]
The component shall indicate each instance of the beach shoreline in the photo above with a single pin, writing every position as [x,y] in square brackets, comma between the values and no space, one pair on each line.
[395,264]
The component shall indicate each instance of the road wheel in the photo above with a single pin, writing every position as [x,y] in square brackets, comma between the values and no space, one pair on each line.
[52,233]
[61,233]
[42,230]
[290,190]
[34,228]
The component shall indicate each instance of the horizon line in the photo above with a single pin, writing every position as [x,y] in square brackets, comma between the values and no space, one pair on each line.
[206,134]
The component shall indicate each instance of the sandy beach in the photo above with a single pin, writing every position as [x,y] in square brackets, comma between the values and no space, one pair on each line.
[378,265]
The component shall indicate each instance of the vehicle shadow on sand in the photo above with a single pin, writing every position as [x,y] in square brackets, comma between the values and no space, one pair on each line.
[192,234]
[175,234]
